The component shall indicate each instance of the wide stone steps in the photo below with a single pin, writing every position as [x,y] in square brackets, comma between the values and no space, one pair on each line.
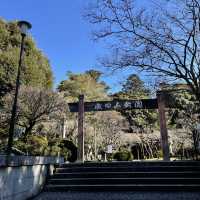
[126,176]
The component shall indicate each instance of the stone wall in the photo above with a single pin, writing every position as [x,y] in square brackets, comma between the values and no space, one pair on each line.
[22,177]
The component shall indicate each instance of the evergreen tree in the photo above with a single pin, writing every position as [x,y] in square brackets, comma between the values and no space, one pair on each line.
[134,88]
[87,83]
[36,69]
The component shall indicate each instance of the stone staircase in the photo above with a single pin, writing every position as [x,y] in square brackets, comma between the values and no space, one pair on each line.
[126,176]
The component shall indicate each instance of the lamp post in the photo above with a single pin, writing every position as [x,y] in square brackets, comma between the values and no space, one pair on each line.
[24,26]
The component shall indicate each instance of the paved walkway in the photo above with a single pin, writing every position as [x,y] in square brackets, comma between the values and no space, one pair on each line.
[119,196]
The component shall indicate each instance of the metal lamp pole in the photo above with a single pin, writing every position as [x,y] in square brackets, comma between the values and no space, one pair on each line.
[24,26]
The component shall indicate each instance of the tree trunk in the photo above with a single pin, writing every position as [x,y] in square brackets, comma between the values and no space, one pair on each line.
[28,130]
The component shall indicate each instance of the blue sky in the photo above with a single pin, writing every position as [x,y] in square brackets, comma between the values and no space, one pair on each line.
[62,34]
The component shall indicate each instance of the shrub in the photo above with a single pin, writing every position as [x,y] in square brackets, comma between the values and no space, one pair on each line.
[38,144]
[68,150]
[35,145]
[123,156]
[159,154]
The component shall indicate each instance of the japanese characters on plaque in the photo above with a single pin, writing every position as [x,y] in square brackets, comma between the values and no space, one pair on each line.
[117,105]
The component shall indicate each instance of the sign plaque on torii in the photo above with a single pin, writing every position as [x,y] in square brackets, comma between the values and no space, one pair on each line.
[158,103]
[116,105]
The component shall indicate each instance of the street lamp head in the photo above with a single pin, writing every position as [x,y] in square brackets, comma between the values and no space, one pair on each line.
[24,26]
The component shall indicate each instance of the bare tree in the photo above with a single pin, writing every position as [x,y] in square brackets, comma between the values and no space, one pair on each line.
[162,38]
[108,126]
[36,106]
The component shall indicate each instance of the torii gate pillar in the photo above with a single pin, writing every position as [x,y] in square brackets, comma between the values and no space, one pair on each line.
[81,129]
[163,126]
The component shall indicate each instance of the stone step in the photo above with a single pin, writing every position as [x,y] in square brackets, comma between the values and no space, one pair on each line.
[117,181]
[128,168]
[184,174]
[124,187]
[132,163]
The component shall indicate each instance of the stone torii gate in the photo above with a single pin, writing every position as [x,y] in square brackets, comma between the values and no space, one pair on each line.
[158,103]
